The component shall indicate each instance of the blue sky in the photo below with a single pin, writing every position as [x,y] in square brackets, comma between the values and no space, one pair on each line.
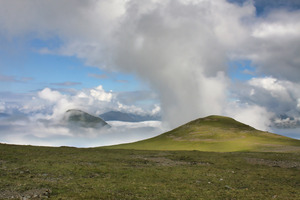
[28,70]
[180,59]
[241,70]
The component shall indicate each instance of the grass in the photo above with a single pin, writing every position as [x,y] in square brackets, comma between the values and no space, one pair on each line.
[216,133]
[260,165]
[97,173]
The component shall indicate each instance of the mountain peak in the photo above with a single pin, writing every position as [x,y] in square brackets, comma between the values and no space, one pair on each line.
[220,122]
[80,118]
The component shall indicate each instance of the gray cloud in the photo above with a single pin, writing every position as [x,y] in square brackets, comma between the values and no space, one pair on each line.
[68,83]
[105,76]
[181,48]
[175,48]
[98,76]
[280,97]
[4,78]
[134,97]
[274,44]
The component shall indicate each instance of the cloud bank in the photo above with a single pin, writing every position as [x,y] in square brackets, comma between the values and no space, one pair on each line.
[39,120]
[181,48]
[49,133]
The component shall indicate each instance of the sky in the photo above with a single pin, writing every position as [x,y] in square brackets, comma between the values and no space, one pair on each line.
[181,59]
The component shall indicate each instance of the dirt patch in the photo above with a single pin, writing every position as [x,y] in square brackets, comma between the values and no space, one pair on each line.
[274,163]
[282,148]
[2,162]
[30,194]
[163,161]
[210,119]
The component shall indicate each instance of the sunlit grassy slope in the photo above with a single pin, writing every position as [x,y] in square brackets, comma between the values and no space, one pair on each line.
[216,133]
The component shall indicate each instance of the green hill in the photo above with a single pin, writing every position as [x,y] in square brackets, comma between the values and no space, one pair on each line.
[216,133]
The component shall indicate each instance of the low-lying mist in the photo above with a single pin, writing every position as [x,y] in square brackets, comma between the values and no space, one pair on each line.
[49,133]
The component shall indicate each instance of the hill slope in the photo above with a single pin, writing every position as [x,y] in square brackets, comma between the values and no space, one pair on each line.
[76,117]
[216,133]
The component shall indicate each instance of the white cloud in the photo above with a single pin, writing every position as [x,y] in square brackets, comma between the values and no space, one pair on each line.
[39,120]
[281,91]
[50,95]
[94,100]
[267,30]
[180,47]
[276,88]
[121,124]
[156,110]
[54,134]
[51,104]
[274,44]
[280,97]
[130,108]
[99,94]
[2,106]
[253,115]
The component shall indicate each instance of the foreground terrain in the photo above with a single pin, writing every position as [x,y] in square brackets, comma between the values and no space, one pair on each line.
[28,172]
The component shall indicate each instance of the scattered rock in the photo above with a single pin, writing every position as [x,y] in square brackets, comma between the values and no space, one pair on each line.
[29,194]
[274,163]
[2,162]
[37,193]
[228,187]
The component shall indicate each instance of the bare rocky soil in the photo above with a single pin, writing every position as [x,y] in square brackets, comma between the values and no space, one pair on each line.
[43,193]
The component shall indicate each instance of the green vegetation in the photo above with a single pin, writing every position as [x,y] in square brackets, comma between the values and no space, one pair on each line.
[97,173]
[218,134]
[29,172]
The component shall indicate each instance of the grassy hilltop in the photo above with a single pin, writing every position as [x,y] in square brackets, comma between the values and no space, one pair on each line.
[216,133]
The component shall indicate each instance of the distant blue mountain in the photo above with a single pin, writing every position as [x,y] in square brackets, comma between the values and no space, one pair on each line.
[127,117]
[4,115]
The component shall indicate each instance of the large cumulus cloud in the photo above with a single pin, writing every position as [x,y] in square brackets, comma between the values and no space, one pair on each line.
[180,47]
